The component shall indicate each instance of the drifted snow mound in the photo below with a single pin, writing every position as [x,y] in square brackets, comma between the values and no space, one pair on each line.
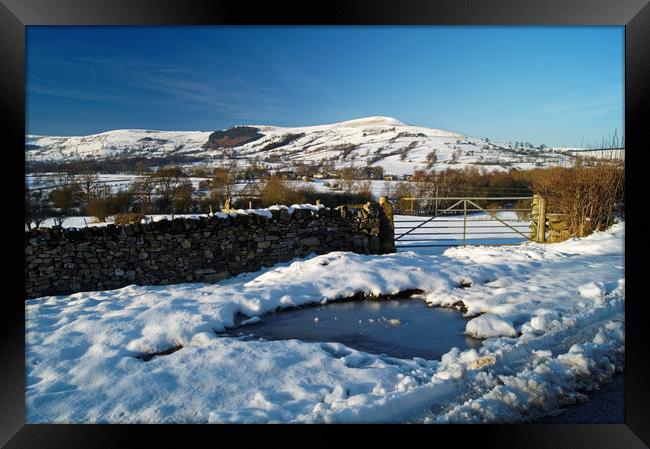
[592,290]
[489,325]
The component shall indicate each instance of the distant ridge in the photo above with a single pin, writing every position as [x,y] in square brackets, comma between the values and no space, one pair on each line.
[368,141]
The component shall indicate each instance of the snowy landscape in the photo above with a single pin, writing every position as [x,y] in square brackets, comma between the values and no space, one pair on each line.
[534,328]
[551,318]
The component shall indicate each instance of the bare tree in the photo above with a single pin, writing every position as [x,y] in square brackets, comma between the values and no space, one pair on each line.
[88,185]
[168,180]
[36,208]
[348,178]
[222,185]
[388,189]
[182,199]
[144,189]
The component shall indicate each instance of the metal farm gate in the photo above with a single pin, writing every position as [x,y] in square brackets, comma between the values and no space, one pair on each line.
[433,222]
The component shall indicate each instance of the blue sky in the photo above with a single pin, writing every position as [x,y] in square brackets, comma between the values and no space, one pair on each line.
[551,85]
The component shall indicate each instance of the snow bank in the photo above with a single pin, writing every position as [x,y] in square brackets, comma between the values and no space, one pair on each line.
[548,382]
[489,325]
[82,350]
[593,290]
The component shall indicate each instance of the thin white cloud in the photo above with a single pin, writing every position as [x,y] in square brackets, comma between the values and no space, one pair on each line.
[586,106]
[213,93]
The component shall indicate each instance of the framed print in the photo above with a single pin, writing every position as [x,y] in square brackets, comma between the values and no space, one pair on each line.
[335,217]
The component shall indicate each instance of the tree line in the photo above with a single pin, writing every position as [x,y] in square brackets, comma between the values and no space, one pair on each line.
[590,195]
[170,190]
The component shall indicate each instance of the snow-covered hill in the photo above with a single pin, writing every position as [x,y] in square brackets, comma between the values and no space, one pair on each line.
[377,141]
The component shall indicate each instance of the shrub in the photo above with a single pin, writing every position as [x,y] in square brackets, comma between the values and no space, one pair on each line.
[65,198]
[590,197]
[127,218]
[277,191]
[99,208]
[102,206]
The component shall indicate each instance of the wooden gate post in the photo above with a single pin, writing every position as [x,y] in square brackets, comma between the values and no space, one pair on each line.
[541,221]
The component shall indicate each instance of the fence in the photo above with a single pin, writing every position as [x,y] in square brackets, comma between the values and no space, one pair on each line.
[455,221]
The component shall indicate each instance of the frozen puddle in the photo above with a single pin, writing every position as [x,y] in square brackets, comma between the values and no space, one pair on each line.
[403,328]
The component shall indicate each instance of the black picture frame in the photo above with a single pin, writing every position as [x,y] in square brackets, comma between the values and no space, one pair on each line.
[16,14]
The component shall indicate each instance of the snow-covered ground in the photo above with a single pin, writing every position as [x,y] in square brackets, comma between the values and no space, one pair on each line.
[552,316]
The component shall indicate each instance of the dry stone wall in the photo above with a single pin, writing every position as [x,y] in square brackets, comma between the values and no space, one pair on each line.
[558,228]
[63,261]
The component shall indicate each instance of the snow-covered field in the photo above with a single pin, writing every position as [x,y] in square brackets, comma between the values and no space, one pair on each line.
[118,182]
[114,182]
[552,316]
